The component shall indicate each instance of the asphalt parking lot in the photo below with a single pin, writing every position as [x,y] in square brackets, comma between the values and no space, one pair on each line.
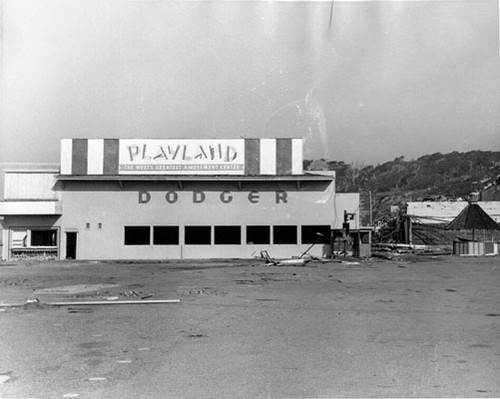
[414,327]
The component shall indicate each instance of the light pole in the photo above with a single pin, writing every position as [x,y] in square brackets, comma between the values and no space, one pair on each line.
[370,203]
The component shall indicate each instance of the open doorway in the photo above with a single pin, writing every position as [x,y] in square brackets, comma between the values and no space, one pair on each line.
[71,241]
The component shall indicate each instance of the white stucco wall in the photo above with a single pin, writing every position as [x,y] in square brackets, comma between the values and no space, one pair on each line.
[114,207]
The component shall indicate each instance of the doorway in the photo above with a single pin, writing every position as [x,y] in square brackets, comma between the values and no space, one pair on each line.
[71,241]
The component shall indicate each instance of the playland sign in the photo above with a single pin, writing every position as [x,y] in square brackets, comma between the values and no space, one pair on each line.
[206,157]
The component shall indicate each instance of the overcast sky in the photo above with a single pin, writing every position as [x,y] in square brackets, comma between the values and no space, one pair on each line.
[384,79]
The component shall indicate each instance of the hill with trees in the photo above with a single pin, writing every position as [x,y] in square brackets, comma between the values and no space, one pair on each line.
[452,176]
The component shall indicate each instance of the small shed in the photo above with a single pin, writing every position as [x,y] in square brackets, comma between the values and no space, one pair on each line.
[355,242]
[474,218]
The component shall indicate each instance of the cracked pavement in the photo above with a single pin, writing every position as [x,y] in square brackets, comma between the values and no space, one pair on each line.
[418,327]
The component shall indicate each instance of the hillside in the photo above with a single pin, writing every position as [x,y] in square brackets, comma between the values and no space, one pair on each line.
[430,177]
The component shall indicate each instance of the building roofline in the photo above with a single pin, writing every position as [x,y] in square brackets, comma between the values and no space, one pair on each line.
[55,171]
[292,178]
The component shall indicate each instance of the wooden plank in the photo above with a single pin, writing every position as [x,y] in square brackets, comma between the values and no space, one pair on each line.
[140,302]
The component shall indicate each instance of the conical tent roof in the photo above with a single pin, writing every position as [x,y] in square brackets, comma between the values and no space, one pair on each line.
[473,217]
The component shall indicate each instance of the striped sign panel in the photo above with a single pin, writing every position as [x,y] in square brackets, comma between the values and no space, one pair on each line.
[250,157]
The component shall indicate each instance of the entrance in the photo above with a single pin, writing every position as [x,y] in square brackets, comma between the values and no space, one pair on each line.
[71,245]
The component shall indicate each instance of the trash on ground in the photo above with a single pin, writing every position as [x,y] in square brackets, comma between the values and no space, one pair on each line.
[76,289]
[129,294]
[283,262]
[114,302]
[399,249]
[383,255]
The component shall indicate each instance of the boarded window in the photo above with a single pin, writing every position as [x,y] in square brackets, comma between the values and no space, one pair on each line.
[258,234]
[198,235]
[166,235]
[43,238]
[19,238]
[137,235]
[285,234]
[227,235]
[26,238]
[315,234]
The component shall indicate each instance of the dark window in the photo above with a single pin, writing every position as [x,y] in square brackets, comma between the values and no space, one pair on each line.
[197,235]
[166,235]
[315,234]
[43,238]
[258,234]
[137,235]
[227,235]
[285,234]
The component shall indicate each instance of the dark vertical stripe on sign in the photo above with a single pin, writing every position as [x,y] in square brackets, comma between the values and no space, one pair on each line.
[283,156]
[252,157]
[111,155]
[79,157]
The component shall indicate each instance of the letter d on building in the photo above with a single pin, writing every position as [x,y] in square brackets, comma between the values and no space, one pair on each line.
[144,197]
[198,197]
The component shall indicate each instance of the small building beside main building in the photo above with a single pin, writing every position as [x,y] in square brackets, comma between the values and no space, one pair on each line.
[173,199]
[427,222]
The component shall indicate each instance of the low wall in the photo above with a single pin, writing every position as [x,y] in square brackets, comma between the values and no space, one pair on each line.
[475,248]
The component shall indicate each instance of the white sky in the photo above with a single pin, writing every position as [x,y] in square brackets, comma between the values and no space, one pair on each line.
[387,78]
